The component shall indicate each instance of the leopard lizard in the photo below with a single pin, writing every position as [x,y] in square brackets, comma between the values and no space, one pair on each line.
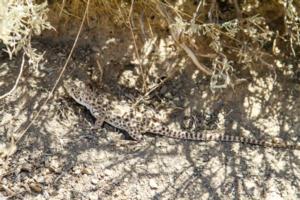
[136,125]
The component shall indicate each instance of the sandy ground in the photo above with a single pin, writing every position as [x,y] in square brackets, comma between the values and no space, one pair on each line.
[61,157]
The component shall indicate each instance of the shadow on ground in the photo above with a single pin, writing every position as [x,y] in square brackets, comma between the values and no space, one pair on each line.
[68,160]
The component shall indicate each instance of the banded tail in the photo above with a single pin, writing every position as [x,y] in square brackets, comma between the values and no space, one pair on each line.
[214,135]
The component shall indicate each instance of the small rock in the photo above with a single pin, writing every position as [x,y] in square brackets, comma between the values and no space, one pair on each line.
[127,168]
[95,49]
[168,95]
[26,168]
[93,196]
[94,181]
[86,171]
[77,171]
[35,187]
[4,181]
[54,166]
[177,99]
[108,172]
[40,179]
[60,54]
[153,184]
[46,195]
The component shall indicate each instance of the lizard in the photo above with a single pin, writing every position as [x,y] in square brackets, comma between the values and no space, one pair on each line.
[138,124]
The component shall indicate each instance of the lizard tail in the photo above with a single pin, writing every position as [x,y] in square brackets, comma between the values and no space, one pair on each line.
[215,135]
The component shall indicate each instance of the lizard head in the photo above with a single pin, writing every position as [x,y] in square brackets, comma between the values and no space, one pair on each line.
[80,92]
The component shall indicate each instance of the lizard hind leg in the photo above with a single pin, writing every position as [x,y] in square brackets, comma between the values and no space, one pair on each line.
[135,134]
[98,123]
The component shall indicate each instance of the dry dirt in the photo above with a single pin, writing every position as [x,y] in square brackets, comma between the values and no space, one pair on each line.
[61,157]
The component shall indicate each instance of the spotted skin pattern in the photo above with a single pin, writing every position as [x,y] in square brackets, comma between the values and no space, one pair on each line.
[101,108]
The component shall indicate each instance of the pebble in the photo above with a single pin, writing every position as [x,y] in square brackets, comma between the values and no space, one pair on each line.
[40,179]
[127,168]
[77,171]
[61,54]
[35,187]
[168,95]
[26,168]
[46,195]
[93,196]
[94,181]
[108,172]
[153,184]
[95,49]
[53,165]
[86,171]
[177,99]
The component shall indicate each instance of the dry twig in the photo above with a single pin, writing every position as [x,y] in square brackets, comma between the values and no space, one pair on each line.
[17,81]
[175,36]
[135,46]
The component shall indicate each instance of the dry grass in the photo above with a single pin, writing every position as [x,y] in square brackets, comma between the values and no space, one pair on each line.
[234,36]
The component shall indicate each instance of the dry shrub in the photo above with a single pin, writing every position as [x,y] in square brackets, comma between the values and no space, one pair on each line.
[229,35]
[19,21]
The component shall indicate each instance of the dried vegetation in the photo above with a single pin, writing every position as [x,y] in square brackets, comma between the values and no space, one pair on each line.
[219,37]
[226,35]
[222,39]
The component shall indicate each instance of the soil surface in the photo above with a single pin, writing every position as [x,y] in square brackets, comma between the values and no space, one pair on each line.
[62,157]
